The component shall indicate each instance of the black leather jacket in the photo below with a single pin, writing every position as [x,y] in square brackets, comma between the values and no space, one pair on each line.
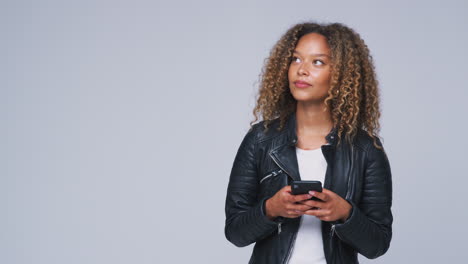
[266,162]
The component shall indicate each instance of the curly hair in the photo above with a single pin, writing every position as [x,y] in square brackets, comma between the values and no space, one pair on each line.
[353,97]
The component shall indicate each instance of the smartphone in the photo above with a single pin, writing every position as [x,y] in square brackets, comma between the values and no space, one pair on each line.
[303,187]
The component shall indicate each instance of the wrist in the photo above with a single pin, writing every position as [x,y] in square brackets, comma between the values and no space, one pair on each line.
[343,219]
[268,210]
[348,213]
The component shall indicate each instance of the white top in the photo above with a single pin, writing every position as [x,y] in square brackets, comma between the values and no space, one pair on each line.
[308,247]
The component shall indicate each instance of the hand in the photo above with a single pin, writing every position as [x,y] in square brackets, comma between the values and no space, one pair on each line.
[285,204]
[331,208]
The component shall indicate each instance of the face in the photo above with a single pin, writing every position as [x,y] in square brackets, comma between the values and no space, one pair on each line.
[309,71]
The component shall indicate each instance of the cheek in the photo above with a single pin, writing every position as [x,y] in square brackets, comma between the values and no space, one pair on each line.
[290,75]
[325,78]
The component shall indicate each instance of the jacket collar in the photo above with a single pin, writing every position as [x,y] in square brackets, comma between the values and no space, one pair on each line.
[285,155]
[292,135]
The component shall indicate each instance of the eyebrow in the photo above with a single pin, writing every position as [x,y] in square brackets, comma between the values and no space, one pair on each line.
[315,54]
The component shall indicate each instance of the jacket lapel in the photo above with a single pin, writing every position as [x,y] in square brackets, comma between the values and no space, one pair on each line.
[285,154]
[285,157]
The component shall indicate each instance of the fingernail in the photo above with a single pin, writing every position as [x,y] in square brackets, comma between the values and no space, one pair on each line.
[311,192]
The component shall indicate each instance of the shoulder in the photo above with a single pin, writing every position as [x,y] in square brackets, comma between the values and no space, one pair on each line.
[373,155]
[261,134]
[365,142]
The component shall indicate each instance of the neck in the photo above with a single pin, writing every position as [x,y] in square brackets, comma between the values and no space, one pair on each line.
[313,119]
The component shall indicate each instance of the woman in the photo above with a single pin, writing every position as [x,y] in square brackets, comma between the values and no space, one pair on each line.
[319,101]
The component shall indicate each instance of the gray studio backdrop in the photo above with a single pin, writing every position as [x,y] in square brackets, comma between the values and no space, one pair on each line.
[120,121]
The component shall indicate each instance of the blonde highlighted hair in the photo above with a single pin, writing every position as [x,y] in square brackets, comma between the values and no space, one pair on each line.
[353,97]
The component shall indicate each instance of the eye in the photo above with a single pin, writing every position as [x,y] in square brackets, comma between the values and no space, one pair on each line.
[294,59]
[321,62]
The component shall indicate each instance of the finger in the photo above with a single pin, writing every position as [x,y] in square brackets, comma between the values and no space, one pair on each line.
[293,213]
[321,195]
[313,203]
[301,197]
[300,207]
[285,193]
[318,212]
[291,198]
[325,218]
[294,206]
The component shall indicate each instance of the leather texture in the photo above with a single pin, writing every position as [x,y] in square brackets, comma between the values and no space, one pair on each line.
[266,162]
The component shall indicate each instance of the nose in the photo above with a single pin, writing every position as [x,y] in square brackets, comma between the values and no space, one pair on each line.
[302,70]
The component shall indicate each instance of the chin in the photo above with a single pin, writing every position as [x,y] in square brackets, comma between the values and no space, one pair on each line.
[308,98]
[303,99]
[301,96]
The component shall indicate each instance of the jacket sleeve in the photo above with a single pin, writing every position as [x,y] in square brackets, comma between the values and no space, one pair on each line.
[246,221]
[369,226]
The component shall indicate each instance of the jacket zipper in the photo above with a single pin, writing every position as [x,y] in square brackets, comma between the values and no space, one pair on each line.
[279,225]
[292,246]
[277,163]
[348,194]
[282,169]
[274,173]
[332,230]
[271,174]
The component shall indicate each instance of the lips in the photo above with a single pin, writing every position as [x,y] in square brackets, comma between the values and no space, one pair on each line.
[302,84]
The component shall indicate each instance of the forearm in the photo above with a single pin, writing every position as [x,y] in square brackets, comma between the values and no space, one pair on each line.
[368,237]
[268,210]
[247,227]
